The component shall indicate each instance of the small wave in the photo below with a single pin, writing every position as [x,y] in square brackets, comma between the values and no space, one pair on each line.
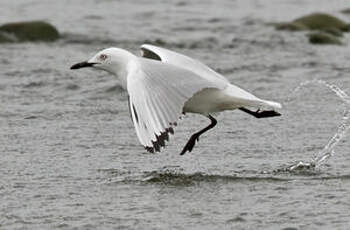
[31,117]
[115,89]
[189,28]
[173,178]
[93,17]
[217,20]
[207,42]
[338,177]
[82,39]
[42,71]
[34,84]
[72,87]
[70,38]
[299,169]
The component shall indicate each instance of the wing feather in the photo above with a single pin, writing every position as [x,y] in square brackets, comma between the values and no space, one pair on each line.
[157,94]
[142,136]
[182,61]
[185,62]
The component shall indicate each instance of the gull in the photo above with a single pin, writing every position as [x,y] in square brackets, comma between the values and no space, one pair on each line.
[163,85]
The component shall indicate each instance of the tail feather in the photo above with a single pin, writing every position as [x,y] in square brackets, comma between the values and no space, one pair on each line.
[259,104]
[272,104]
[244,98]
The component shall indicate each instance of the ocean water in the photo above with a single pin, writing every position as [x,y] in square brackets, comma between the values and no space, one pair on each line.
[70,158]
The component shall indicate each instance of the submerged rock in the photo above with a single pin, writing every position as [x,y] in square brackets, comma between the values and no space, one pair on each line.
[322,21]
[5,38]
[333,31]
[323,38]
[328,27]
[290,26]
[28,31]
[315,21]
[346,11]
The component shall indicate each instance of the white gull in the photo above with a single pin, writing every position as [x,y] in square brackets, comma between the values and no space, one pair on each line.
[163,84]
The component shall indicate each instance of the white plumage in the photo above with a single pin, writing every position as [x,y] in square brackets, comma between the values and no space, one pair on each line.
[163,84]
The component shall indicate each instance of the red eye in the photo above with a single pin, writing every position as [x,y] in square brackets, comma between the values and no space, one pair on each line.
[103,57]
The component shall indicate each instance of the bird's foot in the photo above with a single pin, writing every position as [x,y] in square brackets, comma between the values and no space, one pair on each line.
[261,113]
[190,144]
[267,113]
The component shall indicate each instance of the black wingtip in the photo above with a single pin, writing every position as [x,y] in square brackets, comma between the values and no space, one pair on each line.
[149,149]
[160,141]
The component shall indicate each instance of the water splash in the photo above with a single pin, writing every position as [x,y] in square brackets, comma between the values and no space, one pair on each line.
[328,149]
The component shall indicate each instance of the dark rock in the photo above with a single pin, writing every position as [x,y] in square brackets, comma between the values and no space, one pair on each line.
[321,21]
[4,37]
[329,27]
[346,11]
[28,31]
[333,31]
[315,21]
[323,38]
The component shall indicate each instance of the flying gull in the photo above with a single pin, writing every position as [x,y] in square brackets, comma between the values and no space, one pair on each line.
[163,84]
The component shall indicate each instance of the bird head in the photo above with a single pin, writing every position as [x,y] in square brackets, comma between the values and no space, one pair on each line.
[112,60]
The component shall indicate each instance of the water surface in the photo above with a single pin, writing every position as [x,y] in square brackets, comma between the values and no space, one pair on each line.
[70,158]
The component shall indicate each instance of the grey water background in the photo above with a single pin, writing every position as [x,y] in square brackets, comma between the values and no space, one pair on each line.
[70,158]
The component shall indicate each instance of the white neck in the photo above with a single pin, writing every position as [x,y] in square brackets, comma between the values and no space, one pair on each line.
[119,64]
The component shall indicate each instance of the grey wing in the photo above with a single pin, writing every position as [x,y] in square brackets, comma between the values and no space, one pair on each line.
[157,94]
[182,61]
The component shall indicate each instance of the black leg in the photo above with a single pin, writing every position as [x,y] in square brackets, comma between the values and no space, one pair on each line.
[261,113]
[195,137]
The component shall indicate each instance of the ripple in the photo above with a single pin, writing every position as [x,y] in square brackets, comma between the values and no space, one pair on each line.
[206,42]
[179,178]
[236,219]
[81,39]
[174,178]
[34,85]
[72,87]
[114,89]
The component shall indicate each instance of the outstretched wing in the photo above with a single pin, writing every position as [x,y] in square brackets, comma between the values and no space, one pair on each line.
[157,94]
[182,61]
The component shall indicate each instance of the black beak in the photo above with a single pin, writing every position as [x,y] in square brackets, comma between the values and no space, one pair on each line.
[82,65]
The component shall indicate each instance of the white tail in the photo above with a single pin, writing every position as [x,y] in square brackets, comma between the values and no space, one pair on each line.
[244,98]
[272,104]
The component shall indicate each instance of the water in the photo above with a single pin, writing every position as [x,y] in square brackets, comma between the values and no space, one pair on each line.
[328,149]
[70,158]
